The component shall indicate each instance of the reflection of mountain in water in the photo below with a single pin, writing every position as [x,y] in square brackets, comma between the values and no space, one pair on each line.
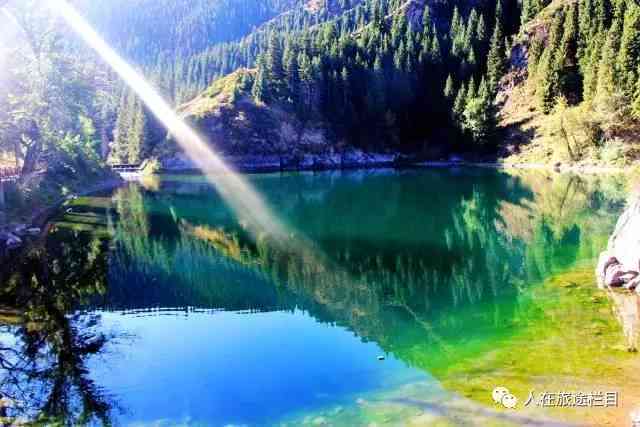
[429,265]
[415,263]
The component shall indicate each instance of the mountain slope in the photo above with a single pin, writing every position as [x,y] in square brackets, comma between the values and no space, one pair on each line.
[149,30]
[366,84]
[571,95]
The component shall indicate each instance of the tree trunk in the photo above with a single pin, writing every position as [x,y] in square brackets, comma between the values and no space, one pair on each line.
[34,150]
[104,143]
[31,158]
[17,153]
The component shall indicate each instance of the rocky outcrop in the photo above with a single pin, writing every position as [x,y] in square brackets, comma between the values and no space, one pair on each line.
[619,265]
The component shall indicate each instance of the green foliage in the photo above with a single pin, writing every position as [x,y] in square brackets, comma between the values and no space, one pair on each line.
[496,58]
[151,167]
[629,54]
[47,96]
[448,88]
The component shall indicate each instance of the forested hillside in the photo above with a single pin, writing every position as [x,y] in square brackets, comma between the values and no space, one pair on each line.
[541,81]
[582,76]
[379,66]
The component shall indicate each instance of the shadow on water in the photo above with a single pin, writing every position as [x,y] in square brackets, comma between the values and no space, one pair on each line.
[435,267]
[46,341]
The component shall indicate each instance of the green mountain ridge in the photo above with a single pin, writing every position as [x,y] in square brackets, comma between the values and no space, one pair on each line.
[379,67]
[537,82]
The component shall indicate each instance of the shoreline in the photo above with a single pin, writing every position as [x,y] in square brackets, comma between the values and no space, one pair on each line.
[14,234]
[251,166]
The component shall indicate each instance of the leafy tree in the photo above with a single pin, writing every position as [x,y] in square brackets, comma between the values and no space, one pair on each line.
[48,89]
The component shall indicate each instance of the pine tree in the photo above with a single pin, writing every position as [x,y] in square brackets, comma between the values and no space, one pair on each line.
[448,88]
[496,58]
[137,136]
[459,103]
[481,30]
[607,73]
[260,89]
[590,68]
[483,91]
[471,90]
[635,107]
[274,67]
[629,56]
[293,78]
[426,19]
[548,72]
[457,25]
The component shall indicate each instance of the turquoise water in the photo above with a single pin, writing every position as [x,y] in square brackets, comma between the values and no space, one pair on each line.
[157,305]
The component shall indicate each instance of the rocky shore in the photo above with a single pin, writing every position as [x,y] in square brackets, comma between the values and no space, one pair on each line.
[351,159]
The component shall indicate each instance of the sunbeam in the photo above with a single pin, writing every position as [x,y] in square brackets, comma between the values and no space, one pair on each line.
[241,197]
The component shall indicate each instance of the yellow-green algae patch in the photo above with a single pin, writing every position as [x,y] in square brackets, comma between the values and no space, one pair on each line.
[577,345]
[567,339]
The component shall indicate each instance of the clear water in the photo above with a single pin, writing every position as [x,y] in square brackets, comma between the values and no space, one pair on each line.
[154,305]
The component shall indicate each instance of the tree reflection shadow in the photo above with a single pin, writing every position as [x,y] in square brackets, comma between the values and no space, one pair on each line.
[47,341]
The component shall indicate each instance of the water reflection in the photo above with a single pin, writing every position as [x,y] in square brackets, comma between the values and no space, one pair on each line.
[435,268]
[627,310]
[46,341]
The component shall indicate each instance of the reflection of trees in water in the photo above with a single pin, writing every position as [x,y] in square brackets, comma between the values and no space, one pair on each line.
[435,261]
[45,349]
[567,219]
[430,269]
[404,270]
[186,266]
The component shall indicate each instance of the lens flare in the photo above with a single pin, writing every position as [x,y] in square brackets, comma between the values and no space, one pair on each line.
[240,196]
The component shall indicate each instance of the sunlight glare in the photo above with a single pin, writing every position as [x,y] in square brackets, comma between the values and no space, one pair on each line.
[241,197]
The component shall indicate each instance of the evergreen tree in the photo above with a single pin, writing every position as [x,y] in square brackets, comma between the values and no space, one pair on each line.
[460,101]
[496,58]
[274,67]
[260,90]
[448,88]
[629,56]
[293,78]
[607,73]
[548,71]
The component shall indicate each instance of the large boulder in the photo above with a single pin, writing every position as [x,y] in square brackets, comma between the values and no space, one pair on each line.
[619,265]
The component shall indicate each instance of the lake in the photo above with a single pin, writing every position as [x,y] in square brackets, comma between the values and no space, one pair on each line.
[398,298]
